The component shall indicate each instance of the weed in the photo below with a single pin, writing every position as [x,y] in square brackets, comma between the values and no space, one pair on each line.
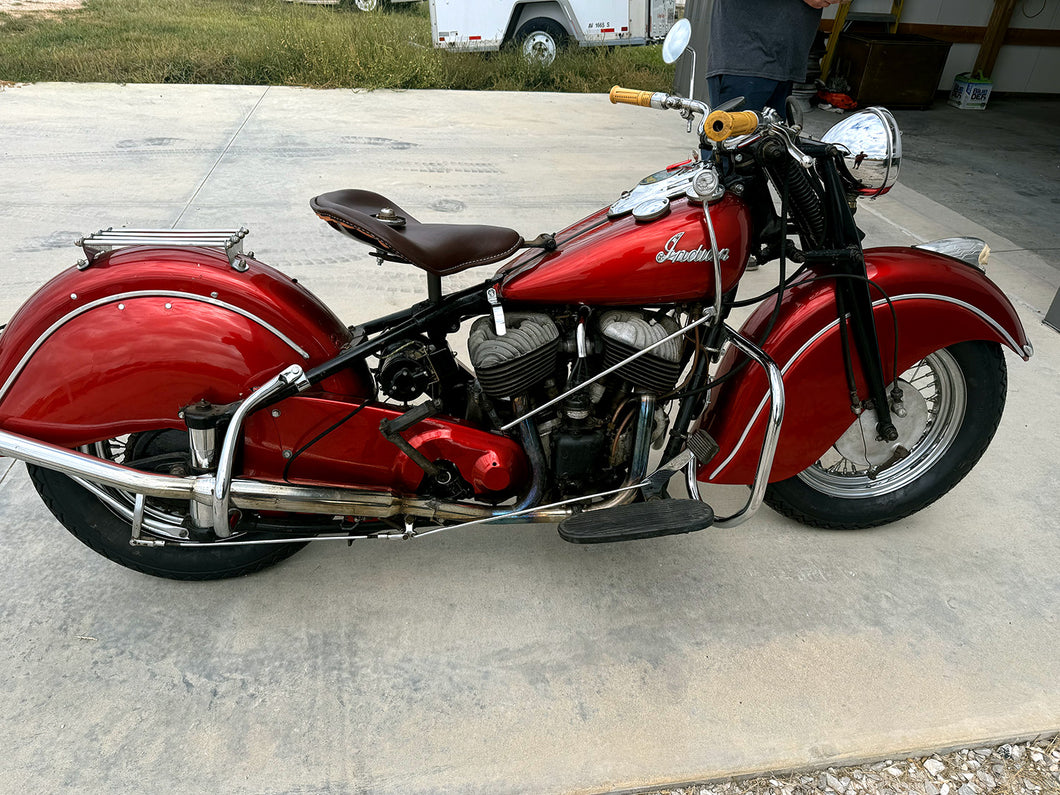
[256,42]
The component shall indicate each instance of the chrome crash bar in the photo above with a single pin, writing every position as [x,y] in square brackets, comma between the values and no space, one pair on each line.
[769,442]
[213,497]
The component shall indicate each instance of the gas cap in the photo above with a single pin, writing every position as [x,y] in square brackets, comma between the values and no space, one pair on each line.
[652,209]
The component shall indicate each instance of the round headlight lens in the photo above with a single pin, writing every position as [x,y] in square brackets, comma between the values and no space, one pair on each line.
[873,145]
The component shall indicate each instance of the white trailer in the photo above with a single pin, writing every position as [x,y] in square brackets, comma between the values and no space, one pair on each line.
[542,27]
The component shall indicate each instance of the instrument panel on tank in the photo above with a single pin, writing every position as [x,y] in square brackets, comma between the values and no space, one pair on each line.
[667,184]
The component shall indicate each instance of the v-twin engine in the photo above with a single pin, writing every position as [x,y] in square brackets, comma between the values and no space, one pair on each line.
[527,353]
[589,436]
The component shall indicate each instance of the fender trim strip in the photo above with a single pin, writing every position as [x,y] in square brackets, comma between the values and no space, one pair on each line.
[58,324]
[880,302]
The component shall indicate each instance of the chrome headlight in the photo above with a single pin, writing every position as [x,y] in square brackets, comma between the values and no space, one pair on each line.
[873,145]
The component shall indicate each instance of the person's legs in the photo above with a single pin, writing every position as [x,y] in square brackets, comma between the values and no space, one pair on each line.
[758,92]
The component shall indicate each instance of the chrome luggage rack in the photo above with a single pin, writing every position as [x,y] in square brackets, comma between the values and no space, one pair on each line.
[228,240]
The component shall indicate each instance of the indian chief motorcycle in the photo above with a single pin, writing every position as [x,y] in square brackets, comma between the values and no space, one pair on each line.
[190,412]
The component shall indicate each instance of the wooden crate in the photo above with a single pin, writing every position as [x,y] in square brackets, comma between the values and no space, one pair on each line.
[898,70]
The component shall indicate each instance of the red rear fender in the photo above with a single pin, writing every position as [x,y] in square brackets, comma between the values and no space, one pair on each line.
[124,344]
[938,301]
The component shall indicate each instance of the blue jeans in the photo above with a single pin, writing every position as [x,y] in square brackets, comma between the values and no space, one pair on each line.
[758,92]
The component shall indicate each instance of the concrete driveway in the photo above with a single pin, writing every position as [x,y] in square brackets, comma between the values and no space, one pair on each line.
[490,660]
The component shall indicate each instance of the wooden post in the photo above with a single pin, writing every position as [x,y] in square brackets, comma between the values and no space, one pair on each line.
[833,39]
[993,38]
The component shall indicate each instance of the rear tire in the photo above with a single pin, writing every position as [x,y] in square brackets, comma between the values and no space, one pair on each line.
[101,528]
[962,392]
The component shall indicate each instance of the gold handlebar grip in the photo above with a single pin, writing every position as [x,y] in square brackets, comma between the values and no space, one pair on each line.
[629,96]
[721,125]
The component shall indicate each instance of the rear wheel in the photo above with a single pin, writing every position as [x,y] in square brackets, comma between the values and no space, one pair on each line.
[101,517]
[952,403]
[540,40]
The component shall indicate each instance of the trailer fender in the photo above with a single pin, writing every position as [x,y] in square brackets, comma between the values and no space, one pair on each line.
[559,11]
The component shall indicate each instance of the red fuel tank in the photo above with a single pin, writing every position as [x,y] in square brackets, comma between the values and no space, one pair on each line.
[624,261]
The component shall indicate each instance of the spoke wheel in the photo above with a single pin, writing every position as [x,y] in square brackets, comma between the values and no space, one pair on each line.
[101,517]
[951,404]
[859,464]
[165,452]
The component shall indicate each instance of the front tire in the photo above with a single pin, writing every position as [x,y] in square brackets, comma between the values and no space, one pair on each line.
[101,521]
[956,394]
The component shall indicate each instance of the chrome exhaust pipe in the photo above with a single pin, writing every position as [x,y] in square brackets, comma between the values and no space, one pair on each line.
[106,473]
[251,494]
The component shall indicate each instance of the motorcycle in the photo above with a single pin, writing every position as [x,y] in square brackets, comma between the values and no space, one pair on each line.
[190,412]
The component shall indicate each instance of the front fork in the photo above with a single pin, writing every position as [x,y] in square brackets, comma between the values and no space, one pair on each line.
[853,296]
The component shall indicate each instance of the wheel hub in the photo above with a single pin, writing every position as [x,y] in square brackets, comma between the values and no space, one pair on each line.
[540,47]
[862,445]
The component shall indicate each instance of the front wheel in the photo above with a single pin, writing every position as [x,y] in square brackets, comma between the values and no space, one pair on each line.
[101,517]
[951,405]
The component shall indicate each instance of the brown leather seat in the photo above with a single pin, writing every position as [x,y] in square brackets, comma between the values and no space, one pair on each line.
[440,249]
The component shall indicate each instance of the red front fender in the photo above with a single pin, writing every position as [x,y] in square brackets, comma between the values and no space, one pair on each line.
[126,343]
[938,301]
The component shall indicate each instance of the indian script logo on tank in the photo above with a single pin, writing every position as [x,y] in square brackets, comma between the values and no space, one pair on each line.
[671,253]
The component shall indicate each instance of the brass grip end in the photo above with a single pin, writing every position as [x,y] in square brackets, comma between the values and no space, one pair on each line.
[629,96]
[721,125]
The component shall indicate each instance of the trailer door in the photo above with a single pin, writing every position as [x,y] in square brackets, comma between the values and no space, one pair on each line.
[602,21]
[469,24]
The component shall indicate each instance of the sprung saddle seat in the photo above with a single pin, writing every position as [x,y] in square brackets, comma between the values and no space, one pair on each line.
[439,249]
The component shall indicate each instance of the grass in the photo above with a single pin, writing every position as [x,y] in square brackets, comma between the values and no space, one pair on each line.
[271,42]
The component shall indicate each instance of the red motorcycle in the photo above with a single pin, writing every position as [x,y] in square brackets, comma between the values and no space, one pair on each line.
[190,412]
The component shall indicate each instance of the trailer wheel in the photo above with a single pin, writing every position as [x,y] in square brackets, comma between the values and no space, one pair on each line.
[370,5]
[540,39]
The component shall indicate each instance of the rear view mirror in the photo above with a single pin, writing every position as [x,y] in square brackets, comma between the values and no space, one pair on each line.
[676,40]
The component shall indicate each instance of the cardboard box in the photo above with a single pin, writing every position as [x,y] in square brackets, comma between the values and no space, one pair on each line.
[970,93]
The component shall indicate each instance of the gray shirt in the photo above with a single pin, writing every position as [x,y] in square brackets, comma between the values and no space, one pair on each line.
[761,38]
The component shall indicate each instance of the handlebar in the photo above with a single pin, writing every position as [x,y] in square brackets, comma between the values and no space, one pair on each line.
[717,126]
[658,100]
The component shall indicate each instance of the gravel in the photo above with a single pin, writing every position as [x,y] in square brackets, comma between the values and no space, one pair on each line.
[1030,768]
